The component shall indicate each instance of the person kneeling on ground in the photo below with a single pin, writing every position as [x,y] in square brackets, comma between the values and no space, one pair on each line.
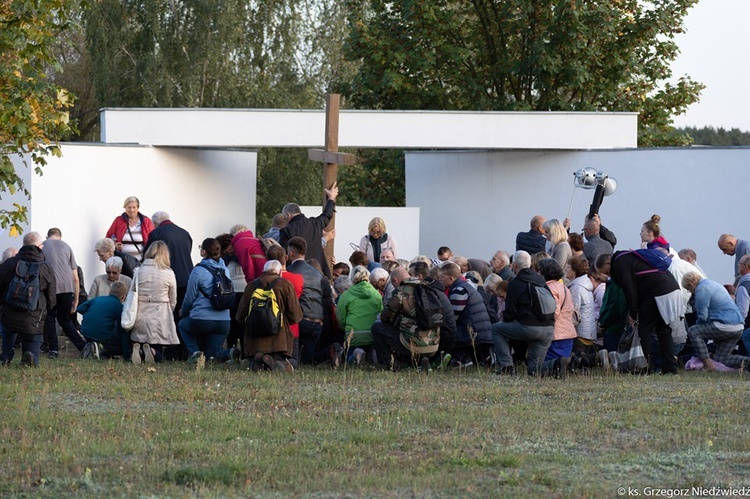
[270,351]
[719,319]
[101,324]
[521,323]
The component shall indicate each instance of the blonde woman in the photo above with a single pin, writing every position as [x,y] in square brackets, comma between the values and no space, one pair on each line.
[157,297]
[557,236]
[130,230]
[377,240]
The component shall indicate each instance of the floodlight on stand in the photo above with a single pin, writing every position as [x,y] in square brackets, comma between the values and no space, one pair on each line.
[605,186]
[585,178]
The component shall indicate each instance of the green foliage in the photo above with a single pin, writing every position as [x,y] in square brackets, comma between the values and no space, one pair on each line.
[545,55]
[32,108]
[378,180]
[710,136]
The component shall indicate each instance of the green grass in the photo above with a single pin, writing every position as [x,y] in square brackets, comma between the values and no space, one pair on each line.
[86,428]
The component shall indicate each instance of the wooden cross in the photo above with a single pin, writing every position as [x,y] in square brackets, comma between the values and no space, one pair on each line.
[331,158]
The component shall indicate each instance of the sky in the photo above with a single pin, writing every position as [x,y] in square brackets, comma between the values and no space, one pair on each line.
[714,51]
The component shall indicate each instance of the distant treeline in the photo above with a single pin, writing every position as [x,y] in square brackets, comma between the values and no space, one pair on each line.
[710,136]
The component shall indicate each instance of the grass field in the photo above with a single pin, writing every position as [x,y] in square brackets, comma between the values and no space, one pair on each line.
[88,428]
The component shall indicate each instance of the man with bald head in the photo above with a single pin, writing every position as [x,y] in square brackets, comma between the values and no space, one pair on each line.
[532,241]
[18,320]
[730,245]
[594,245]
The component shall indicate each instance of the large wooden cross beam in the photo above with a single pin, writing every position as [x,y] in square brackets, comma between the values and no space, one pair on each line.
[331,158]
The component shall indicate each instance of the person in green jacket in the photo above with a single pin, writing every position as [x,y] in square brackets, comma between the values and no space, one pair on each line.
[358,307]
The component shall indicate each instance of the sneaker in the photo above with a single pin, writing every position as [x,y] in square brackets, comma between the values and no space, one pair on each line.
[96,350]
[53,354]
[136,357]
[27,359]
[257,363]
[603,358]
[613,362]
[5,362]
[562,367]
[194,357]
[86,352]
[358,355]
[424,365]
[148,355]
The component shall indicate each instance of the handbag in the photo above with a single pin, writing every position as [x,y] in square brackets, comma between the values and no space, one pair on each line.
[130,307]
[630,356]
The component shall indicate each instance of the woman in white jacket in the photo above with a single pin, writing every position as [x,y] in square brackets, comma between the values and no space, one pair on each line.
[582,290]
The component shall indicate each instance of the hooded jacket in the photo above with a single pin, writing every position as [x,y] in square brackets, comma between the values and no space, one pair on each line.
[21,321]
[357,310]
[518,301]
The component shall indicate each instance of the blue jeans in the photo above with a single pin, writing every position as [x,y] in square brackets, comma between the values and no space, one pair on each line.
[211,333]
[537,339]
[29,343]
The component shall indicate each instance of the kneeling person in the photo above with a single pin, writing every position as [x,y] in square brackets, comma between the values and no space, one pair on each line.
[270,351]
[101,324]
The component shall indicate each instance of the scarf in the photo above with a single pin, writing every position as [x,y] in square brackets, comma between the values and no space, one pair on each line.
[376,246]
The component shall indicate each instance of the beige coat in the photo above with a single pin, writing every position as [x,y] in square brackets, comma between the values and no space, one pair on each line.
[157,297]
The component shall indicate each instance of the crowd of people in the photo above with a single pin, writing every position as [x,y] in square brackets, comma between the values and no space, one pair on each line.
[560,303]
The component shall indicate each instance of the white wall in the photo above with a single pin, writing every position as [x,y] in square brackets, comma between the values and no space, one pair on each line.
[351,224]
[476,202]
[205,191]
[387,129]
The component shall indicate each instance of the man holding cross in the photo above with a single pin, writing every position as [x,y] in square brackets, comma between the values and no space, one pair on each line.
[310,229]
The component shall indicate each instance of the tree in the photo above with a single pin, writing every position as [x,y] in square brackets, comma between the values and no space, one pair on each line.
[543,55]
[32,108]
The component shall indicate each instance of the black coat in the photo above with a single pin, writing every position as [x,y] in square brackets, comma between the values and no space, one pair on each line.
[20,321]
[518,306]
[311,230]
[180,245]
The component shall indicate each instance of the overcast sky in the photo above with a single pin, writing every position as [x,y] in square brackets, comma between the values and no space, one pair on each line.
[714,51]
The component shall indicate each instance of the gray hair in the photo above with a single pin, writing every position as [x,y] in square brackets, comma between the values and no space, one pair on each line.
[9,253]
[359,274]
[113,262]
[272,265]
[104,245]
[492,281]
[236,229]
[522,259]
[342,283]
[378,274]
[291,209]
[159,217]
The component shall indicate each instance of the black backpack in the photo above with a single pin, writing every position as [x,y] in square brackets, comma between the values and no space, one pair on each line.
[264,317]
[222,290]
[428,308]
[23,290]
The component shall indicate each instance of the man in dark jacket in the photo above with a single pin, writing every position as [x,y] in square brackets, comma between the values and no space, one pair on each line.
[311,301]
[473,326]
[26,324]
[532,241]
[180,246]
[521,323]
[310,229]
